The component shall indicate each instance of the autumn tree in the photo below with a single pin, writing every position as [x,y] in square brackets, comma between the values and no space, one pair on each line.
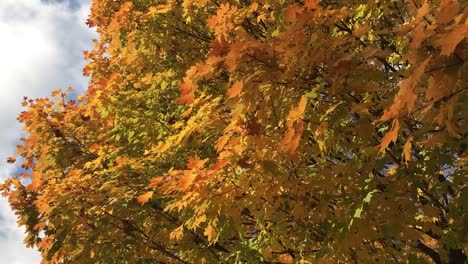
[255,131]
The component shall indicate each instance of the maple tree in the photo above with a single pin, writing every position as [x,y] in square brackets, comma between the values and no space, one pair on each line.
[255,132]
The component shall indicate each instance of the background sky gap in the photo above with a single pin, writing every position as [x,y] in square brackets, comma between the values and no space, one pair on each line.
[41,50]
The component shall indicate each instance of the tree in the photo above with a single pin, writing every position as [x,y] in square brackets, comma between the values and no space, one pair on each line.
[255,132]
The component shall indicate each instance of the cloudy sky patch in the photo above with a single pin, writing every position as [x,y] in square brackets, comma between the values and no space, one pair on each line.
[41,50]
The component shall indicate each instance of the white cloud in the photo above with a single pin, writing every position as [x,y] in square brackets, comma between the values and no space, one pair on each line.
[40,50]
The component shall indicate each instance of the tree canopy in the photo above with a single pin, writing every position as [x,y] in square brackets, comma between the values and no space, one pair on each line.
[255,131]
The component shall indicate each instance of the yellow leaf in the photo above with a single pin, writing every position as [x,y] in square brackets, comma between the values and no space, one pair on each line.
[210,232]
[145,197]
[200,219]
[332,108]
[177,233]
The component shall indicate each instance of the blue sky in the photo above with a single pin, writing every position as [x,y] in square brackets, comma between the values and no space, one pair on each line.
[41,49]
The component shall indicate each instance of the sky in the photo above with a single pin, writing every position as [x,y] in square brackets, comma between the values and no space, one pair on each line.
[41,50]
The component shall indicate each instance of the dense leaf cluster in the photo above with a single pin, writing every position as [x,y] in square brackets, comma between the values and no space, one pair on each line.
[255,132]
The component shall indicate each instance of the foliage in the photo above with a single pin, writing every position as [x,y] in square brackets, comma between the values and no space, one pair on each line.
[255,132]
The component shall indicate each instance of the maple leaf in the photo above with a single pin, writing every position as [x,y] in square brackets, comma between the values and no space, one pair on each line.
[210,232]
[11,160]
[186,180]
[407,150]
[390,136]
[253,7]
[423,11]
[311,4]
[256,124]
[195,163]
[235,89]
[291,12]
[145,197]
[449,41]
[177,233]
[45,243]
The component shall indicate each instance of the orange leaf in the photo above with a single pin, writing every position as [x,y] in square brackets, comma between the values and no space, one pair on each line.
[311,4]
[253,8]
[40,226]
[449,10]
[145,197]
[392,135]
[45,243]
[186,180]
[155,182]
[449,41]
[195,163]
[291,12]
[11,160]
[407,150]
[36,182]
[297,138]
[235,89]
[423,11]
[297,112]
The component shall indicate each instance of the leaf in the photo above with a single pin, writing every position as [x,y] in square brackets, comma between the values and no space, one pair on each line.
[253,7]
[407,150]
[145,197]
[297,112]
[11,160]
[369,195]
[423,11]
[210,232]
[186,180]
[449,10]
[332,108]
[311,4]
[155,182]
[177,233]
[235,89]
[449,41]
[45,243]
[195,163]
[390,136]
[291,12]
[296,138]
[357,213]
